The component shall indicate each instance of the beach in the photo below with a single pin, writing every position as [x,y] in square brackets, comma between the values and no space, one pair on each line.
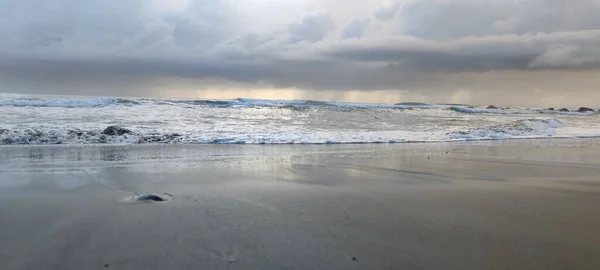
[512,204]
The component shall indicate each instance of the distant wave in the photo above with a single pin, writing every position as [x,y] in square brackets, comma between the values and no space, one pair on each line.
[67,103]
[491,111]
[239,102]
[212,103]
[285,104]
[7,100]
[574,113]
[472,110]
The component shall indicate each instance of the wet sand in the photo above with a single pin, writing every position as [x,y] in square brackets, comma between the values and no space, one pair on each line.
[526,204]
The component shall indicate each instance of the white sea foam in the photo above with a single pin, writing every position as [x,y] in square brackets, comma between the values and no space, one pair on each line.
[66,120]
[524,128]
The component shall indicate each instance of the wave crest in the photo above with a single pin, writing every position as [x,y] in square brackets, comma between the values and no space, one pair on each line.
[67,102]
[516,129]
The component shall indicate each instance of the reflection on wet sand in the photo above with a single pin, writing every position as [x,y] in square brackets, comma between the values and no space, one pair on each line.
[488,205]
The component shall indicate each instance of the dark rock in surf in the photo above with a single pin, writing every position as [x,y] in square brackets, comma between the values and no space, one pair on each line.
[115,131]
[550,109]
[585,109]
[492,107]
[564,110]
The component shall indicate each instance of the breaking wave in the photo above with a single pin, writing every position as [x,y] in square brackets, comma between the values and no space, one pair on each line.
[259,121]
[524,128]
[27,135]
[473,110]
[297,105]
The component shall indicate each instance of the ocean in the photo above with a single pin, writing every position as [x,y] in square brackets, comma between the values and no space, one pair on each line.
[31,119]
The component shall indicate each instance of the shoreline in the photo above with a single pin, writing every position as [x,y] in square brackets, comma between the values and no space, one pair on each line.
[535,138]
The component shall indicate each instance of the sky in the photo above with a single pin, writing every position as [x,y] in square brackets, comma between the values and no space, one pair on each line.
[505,52]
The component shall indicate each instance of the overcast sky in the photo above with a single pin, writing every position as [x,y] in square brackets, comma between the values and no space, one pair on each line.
[508,52]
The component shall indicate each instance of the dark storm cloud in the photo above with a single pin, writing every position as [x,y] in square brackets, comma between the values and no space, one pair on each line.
[137,67]
[403,45]
[317,74]
[416,60]
[565,50]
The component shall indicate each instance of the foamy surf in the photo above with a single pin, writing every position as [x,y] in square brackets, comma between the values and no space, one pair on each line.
[77,120]
[523,128]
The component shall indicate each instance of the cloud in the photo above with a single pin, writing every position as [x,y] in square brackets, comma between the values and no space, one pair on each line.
[354,29]
[388,12]
[420,45]
[571,56]
[473,53]
[443,19]
[311,28]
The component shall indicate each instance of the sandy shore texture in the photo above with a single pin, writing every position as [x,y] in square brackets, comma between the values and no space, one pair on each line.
[523,204]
